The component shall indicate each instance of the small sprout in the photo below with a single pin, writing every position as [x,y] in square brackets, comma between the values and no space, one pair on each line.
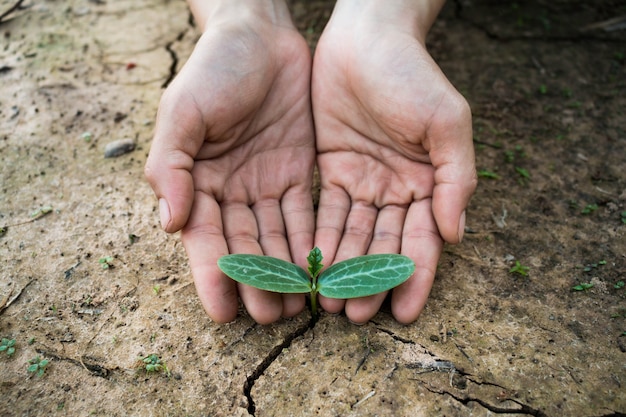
[3,230]
[8,346]
[106,262]
[619,285]
[41,212]
[152,363]
[132,238]
[623,216]
[583,286]
[522,173]
[156,289]
[591,267]
[589,208]
[543,89]
[38,365]
[87,136]
[483,173]
[520,269]
[353,278]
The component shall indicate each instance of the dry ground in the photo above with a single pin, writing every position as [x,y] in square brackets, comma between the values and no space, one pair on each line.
[548,95]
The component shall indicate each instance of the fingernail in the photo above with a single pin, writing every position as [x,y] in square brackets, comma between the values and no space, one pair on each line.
[461,226]
[164,213]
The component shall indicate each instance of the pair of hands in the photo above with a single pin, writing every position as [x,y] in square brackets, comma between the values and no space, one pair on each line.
[235,146]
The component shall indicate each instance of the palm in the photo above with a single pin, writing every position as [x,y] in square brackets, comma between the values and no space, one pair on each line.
[381,136]
[240,110]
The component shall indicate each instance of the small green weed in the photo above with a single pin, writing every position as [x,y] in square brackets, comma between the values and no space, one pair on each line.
[520,269]
[619,285]
[38,365]
[8,346]
[153,364]
[106,262]
[523,173]
[589,208]
[623,216]
[483,173]
[583,286]
[591,267]
[41,212]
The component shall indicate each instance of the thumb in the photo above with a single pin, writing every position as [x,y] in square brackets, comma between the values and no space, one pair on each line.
[452,155]
[169,164]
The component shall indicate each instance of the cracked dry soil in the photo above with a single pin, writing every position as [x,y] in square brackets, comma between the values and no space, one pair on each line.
[548,94]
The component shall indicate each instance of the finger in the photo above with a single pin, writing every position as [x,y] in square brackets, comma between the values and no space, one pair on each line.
[355,241]
[204,242]
[422,243]
[273,241]
[452,155]
[332,212]
[242,234]
[271,229]
[386,239]
[357,234]
[299,217]
[177,138]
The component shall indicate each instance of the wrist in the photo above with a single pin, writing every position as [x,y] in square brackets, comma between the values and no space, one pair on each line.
[412,16]
[274,12]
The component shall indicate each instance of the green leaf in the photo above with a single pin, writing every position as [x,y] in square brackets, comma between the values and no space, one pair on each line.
[315,262]
[365,275]
[265,273]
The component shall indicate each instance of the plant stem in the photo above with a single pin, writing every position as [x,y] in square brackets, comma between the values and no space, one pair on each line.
[314,303]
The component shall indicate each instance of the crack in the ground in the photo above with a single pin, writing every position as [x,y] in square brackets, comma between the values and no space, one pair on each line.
[441,365]
[93,368]
[270,358]
[524,409]
[169,47]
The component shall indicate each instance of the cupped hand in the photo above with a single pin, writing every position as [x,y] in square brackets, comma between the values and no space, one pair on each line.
[232,159]
[395,155]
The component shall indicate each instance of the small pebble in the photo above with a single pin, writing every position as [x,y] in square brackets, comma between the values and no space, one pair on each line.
[119,147]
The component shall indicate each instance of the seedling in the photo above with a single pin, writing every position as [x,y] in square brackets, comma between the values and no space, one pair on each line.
[591,267]
[619,285]
[583,286]
[106,262]
[8,346]
[484,173]
[41,212]
[589,208]
[523,173]
[623,216]
[152,363]
[520,269]
[38,365]
[353,278]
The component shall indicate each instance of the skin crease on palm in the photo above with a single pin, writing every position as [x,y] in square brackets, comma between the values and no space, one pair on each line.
[235,144]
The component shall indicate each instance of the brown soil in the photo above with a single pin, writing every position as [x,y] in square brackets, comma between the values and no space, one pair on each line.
[548,95]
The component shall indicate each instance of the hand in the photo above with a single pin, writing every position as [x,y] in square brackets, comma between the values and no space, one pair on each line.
[395,153]
[233,155]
